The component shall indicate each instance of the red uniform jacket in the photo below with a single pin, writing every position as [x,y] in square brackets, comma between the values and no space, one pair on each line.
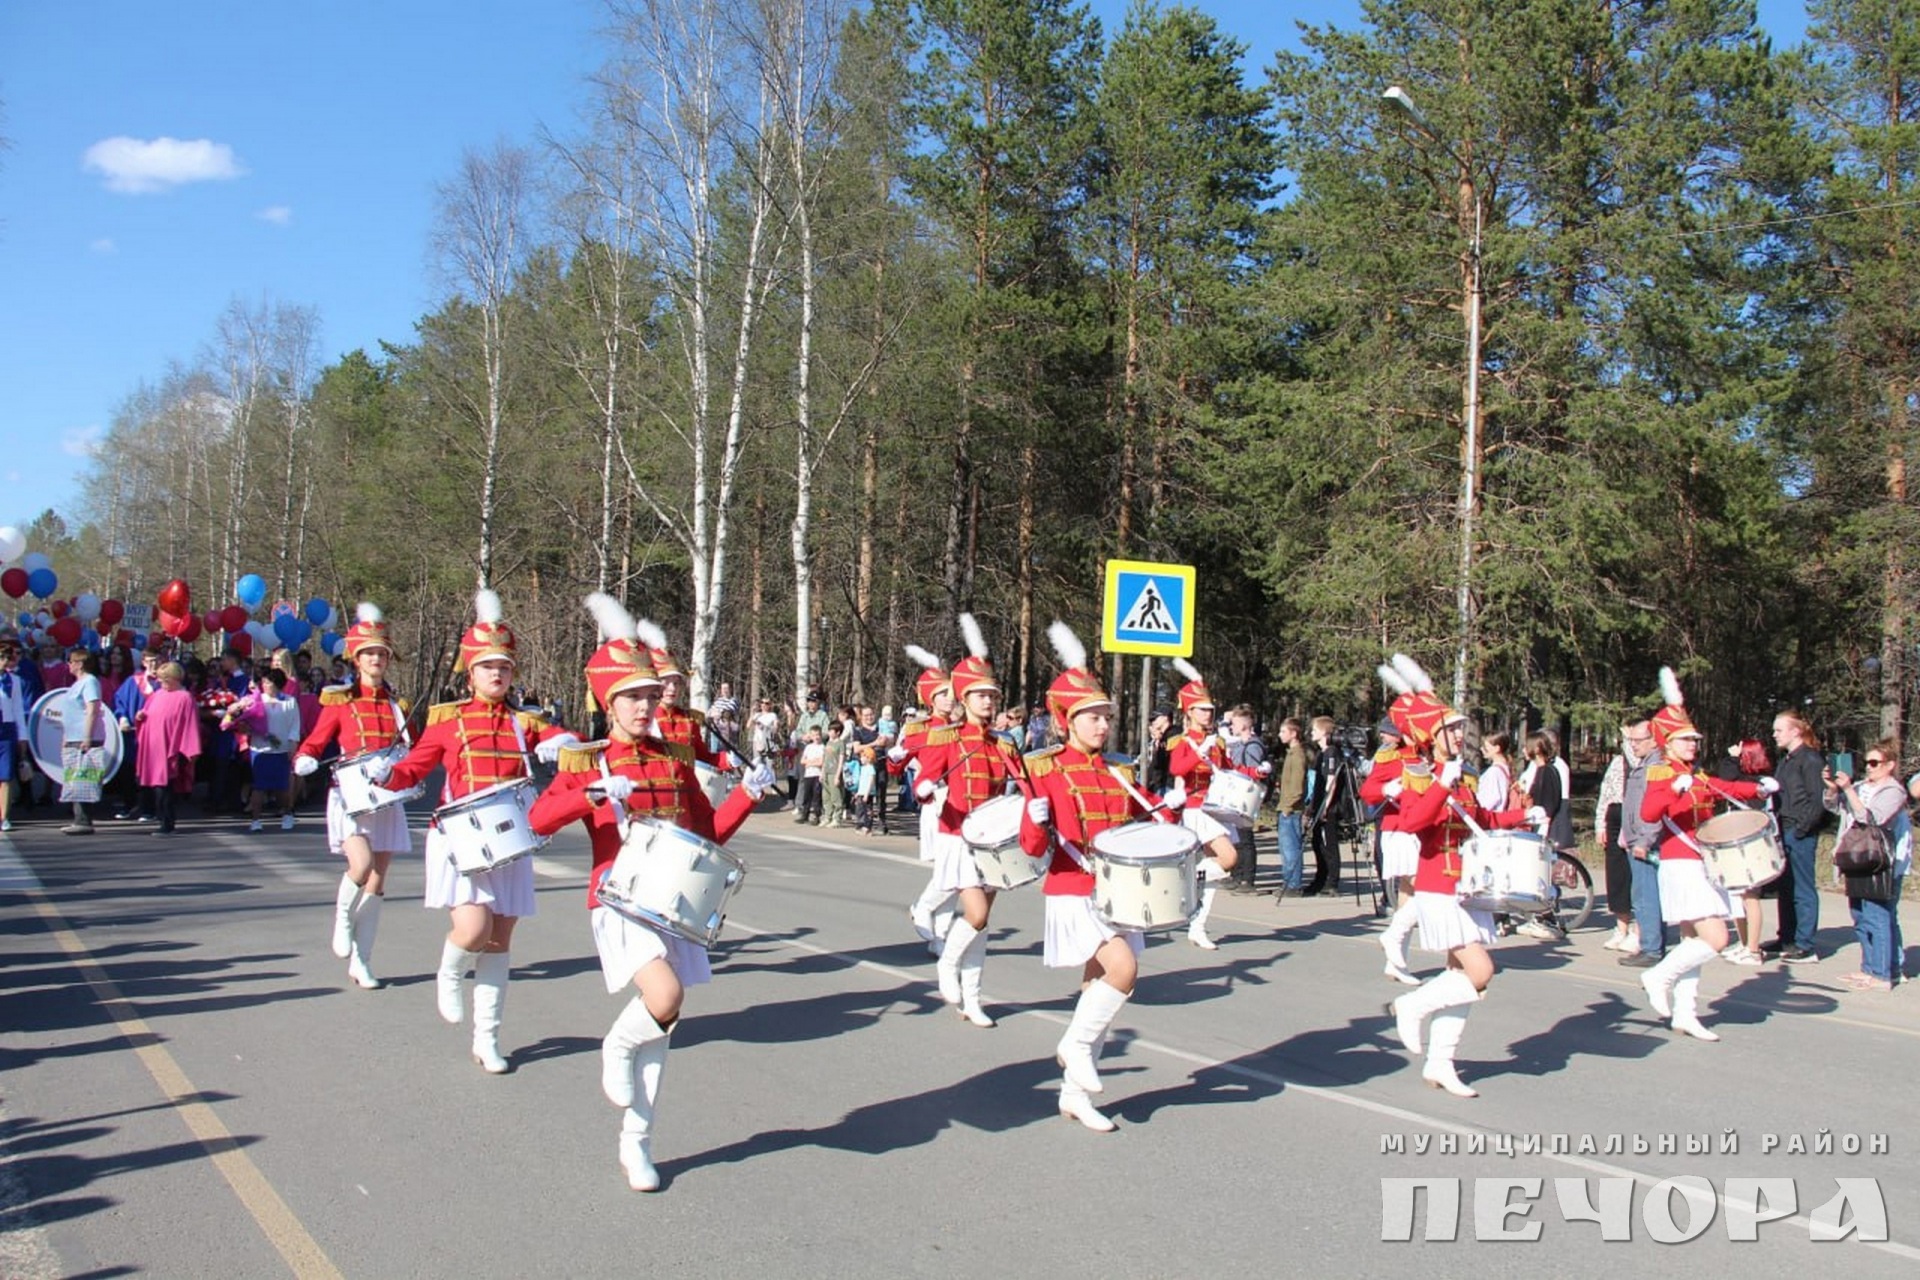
[1680,813]
[974,765]
[358,718]
[476,742]
[1387,767]
[1085,799]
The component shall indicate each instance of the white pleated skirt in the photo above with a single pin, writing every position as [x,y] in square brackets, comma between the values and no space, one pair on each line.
[385,830]
[1399,854]
[1204,825]
[930,825]
[1687,894]
[627,946]
[1445,924]
[505,891]
[953,866]
[1073,931]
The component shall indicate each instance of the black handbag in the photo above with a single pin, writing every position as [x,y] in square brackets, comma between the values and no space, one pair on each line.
[1864,849]
[1876,886]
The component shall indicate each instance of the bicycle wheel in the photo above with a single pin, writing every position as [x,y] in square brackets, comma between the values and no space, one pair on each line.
[1572,892]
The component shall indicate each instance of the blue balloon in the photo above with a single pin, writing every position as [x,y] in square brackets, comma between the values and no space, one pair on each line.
[26,619]
[139,642]
[328,640]
[293,632]
[317,611]
[251,590]
[42,583]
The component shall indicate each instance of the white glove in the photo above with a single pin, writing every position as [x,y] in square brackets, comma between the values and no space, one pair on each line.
[380,770]
[616,787]
[305,766]
[547,750]
[1176,795]
[896,754]
[1682,782]
[1537,817]
[1264,768]
[1450,774]
[1393,789]
[1768,786]
[126,725]
[1038,811]
[923,790]
[758,780]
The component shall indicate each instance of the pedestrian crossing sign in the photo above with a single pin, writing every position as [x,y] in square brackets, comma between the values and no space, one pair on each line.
[1148,609]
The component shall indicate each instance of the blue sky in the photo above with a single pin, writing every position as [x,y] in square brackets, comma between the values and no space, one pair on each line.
[306,139]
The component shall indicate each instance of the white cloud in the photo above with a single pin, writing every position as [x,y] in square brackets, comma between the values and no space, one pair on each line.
[104,244]
[137,167]
[279,215]
[81,442]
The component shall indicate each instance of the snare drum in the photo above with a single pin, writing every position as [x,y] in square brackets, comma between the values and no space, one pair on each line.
[716,783]
[1145,875]
[489,828]
[1740,849]
[1509,871]
[992,832]
[670,878]
[1233,798]
[359,793]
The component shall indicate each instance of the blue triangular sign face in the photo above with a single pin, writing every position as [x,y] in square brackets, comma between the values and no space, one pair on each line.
[1149,613]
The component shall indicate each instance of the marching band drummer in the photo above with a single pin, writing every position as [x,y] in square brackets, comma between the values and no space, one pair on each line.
[1399,849]
[932,912]
[1680,798]
[362,715]
[1438,807]
[1076,796]
[483,742]
[976,766]
[601,784]
[1196,755]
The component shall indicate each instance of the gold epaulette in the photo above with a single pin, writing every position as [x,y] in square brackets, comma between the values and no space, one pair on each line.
[406,708]
[336,695]
[582,757]
[1041,763]
[443,711]
[1659,772]
[530,719]
[1385,754]
[698,717]
[945,735]
[1123,767]
[1418,782]
[1470,777]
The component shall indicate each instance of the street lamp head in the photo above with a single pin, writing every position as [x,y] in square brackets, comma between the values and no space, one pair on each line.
[1397,97]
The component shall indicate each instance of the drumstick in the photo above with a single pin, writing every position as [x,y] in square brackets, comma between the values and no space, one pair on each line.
[1710,780]
[1146,802]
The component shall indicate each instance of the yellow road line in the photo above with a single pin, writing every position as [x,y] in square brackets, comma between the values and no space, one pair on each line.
[277,1222]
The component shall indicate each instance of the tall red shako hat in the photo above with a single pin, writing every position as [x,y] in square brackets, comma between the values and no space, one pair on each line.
[1076,688]
[1415,711]
[369,631]
[488,638]
[656,641]
[1672,721]
[1194,692]
[621,662]
[973,671]
[933,677]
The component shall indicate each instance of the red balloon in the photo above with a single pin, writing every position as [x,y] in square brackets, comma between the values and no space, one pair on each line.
[123,638]
[14,582]
[169,622]
[102,626]
[59,609]
[190,629]
[111,611]
[241,643]
[175,598]
[65,630]
[233,618]
[211,621]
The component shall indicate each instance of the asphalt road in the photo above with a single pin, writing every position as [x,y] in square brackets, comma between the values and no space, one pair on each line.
[190,1087]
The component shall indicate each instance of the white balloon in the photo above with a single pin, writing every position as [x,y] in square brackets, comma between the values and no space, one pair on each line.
[44,618]
[333,619]
[86,606]
[35,560]
[12,543]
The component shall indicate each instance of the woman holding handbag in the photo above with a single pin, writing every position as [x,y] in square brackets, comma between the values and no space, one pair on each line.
[1873,899]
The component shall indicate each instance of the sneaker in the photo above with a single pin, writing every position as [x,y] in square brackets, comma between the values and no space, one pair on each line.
[76,829]
[286,822]
[1772,948]
[6,824]
[145,817]
[255,825]
[1640,960]
[1535,929]
[1744,956]
[1800,955]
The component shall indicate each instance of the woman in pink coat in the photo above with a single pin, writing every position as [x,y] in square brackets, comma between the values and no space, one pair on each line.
[168,729]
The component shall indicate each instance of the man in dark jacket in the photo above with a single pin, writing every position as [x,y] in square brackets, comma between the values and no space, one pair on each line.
[1801,813]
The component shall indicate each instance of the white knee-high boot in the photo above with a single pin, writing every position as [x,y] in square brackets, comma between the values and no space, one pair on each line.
[345,899]
[1411,1011]
[366,928]
[1394,941]
[1444,1030]
[454,963]
[973,962]
[1686,1000]
[1659,981]
[632,1030]
[1093,1013]
[932,913]
[1074,1102]
[490,974]
[636,1125]
[1210,877]
[958,939]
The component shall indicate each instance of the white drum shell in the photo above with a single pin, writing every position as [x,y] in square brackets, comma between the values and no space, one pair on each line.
[1145,876]
[992,833]
[359,793]
[670,878]
[490,828]
[1510,871]
[716,783]
[1739,852]
[1233,798]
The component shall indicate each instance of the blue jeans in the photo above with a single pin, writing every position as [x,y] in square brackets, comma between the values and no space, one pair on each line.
[1287,833]
[1646,907]
[1877,924]
[1799,893]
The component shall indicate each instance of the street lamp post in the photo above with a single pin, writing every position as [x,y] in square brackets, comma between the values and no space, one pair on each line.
[1470,409]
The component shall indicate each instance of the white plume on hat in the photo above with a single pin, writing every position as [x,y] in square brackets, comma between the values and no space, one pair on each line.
[650,633]
[1067,646]
[486,606]
[922,657]
[611,617]
[368,612]
[1416,677]
[976,639]
[1670,688]
[1393,679]
[1188,670]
